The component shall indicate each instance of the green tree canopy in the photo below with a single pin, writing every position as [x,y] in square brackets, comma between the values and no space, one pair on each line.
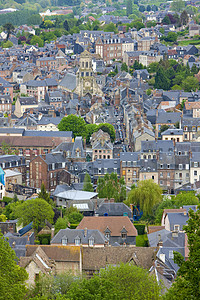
[129,7]
[61,223]
[36,211]
[90,128]
[75,124]
[123,281]
[12,277]
[190,84]
[109,187]
[146,195]
[36,40]
[87,185]
[43,194]
[124,67]
[177,5]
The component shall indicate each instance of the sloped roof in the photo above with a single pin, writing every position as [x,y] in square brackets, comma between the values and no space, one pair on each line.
[114,224]
[76,195]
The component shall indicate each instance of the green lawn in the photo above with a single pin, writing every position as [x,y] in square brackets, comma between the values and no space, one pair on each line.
[188,42]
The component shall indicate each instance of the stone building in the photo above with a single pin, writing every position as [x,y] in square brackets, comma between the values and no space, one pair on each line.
[86,82]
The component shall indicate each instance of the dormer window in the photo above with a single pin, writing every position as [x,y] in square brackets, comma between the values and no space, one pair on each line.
[124,233]
[64,241]
[91,241]
[176,227]
[77,241]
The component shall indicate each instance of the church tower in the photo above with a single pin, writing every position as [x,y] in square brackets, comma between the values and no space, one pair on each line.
[86,80]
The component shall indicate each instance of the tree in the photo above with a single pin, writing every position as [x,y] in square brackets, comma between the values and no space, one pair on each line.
[124,281]
[186,285]
[166,20]
[109,128]
[110,28]
[177,5]
[148,8]
[190,84]
[43,194]
[163,128]
[9,28]
[129,7]
[185,198]
[141,8]
[36,211]
[146,195]
[61,223]
[124,67]
[150,24]
[7,44]
[184,18]
[75,124]
[36,40]
[110,187]
[12,277]
[66,25]
[171,37]
[87,185]
[90,129]
[161,80]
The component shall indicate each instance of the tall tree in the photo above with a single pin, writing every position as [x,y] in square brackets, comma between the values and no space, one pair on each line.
[43,194]
[184,18]
[66,25]
[109,129]
[110,187]
[146,195]
[124,67]
[161,80]
[36,211]
[87,185]
[190,84]
[129,7]
[12,277]
[186,285]
[61,223]
[75,124]
[9,28]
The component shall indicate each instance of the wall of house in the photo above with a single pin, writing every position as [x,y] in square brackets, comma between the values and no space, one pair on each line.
[32,269]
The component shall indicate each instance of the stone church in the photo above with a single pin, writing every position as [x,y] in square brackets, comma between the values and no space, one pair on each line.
[86,82]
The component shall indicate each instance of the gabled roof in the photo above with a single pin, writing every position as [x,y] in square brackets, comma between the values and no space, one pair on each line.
[115,224]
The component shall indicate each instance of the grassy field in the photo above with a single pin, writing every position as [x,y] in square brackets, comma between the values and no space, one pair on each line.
[188,42]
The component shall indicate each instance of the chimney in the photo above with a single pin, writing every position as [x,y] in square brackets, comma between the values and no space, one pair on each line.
[52,232]
[13,244]
[85,232]
[160,244]
[185,213]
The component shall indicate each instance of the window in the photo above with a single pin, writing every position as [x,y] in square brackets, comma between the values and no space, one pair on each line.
[124,235]
[195,173]
[180,166]
[161,166]
[91,242]
[168,175]
[168,166]
[171,254]
[64,241]
[180,175]
[77,241]
[107,235]
[161,182]
[152,177]
[161,174]
[176,227]
[195,164]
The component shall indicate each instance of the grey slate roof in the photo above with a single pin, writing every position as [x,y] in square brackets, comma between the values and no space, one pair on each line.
[72,234]
[69,81]
[48,120]
[114,209]
[171,118]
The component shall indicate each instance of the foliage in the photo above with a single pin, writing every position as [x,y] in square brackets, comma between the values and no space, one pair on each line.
[3,218]
[148,92]
[150,24]
[87,185]
[140,228]
[163,128]
[184,18]
[110,28]
[186,285]
[73,123]
[36,40]
[129,7]
[12,277]
[146,195]
[91,128]
[190,84]
[116,282]
[6,44]
[75,217]
[142,241]
[177,5]
[9,28]
[161,80]
[109,186]
[50,286]
[61,223]
[124,67]
[36,211]
[43,194]
[44,239]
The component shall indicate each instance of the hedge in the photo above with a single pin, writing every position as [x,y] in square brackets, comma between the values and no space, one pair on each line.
[142,241]
[44,239]
[73,226]
[140,228]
